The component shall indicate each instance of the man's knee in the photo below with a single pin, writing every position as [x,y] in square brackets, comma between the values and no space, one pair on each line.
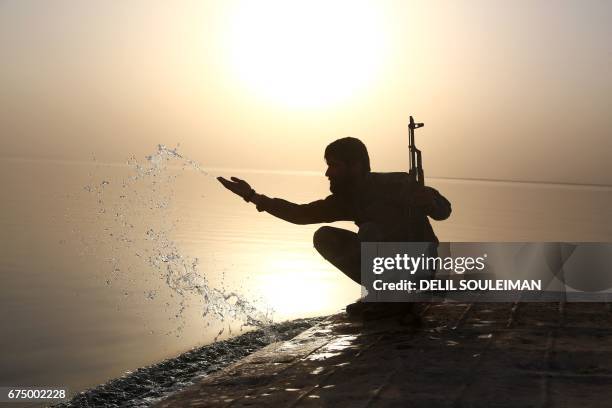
[321,237]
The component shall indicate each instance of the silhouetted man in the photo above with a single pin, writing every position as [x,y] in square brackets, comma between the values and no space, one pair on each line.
[379,203]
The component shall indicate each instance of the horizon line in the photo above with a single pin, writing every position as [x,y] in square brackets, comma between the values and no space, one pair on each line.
[302,172]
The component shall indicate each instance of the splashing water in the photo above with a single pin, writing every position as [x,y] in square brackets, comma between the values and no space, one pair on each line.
[156,162]
[155,246]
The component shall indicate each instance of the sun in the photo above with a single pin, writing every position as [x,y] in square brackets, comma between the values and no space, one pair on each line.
[307,53]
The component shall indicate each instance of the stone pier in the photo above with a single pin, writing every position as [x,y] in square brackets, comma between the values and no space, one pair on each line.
[464,355]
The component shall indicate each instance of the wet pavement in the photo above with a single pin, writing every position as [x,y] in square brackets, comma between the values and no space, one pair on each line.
[147,385]
[464,355]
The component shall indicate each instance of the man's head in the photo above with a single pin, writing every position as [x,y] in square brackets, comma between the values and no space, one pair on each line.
[347,161]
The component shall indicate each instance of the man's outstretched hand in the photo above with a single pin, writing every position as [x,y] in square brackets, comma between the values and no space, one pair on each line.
[238,186]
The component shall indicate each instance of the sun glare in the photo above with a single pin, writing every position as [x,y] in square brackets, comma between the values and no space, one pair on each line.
[306,54]
[297,285]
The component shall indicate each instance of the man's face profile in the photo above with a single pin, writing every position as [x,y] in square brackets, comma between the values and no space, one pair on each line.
[338,175]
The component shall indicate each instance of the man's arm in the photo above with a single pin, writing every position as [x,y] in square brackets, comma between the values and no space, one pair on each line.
[441,208]
[327,210]
[435,204]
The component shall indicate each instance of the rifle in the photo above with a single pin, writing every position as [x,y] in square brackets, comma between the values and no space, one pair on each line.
[416,172]
[416,168]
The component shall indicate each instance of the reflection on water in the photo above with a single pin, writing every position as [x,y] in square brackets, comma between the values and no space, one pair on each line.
[92,278]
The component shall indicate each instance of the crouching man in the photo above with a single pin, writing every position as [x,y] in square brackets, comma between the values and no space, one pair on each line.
[387,207]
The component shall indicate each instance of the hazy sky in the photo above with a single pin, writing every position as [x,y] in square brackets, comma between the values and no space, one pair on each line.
[516,90]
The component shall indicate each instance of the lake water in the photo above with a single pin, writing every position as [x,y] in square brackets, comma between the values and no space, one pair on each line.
[99,261]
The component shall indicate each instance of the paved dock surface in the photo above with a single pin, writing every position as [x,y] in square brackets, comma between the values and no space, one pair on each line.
[465,355]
